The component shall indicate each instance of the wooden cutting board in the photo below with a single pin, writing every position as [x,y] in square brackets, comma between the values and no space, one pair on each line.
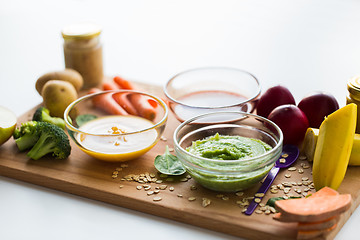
[85,176]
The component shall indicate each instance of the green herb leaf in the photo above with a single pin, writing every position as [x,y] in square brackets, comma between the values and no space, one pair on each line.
[168,164]
[82,119]
[271,201]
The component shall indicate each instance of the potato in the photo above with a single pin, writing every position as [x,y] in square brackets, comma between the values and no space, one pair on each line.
[68,75]
[57,95]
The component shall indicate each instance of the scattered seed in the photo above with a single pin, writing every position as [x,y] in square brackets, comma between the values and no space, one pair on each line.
[180,195]
[274,191]
[299,183]
[285,155]
[304,178]
[150,193]
[171,149]
[272,209]
[225,198]
[205,202]
[156,199]
[121,186]
[286,184]
[301,171]
[156,191]
[239,194]
[257,200]
[305,166]
[192,199]
[139,187]
[294,183]
[292,169]
[162,138]
[159,181]
[188,176]
[114,176]
[243,210]
[287,190]
[163,187]
[262,205]
[267,212]
[183,180]
[171,189]
[259,195]
[193,187]
[258,211]
[282,160]
[288,175]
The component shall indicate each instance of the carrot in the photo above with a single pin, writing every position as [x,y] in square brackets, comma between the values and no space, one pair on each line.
[313,209]
[142,106]
[110,86]
[123,84]
[107,103]
[145,107]
[123,100]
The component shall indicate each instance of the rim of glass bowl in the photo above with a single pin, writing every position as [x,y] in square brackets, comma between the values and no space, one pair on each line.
[254,159]
[75,129]
[212,68]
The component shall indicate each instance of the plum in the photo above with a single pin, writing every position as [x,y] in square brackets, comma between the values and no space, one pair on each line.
[292,122]
[318,105]
[273,97]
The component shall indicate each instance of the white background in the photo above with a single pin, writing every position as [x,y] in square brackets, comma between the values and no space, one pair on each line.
[304,45]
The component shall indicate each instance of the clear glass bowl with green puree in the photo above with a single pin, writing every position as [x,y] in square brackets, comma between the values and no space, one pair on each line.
[228,151]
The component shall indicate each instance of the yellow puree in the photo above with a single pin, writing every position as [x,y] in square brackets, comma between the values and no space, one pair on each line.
[118,147]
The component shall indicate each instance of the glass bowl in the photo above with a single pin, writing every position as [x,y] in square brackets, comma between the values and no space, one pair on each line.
[125,127]
[211,89]
[228,175]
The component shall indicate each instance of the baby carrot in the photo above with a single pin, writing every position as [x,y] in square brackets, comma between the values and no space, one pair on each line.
[107,103]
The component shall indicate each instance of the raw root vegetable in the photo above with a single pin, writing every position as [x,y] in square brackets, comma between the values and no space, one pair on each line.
[313,209]
[316,214]
[123,100]
[123,84]
[310,140]
[311,234]
[143,107]
[107,103]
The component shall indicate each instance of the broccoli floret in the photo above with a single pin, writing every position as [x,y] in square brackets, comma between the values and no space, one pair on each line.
[27,135]
[52,139]
[43,115]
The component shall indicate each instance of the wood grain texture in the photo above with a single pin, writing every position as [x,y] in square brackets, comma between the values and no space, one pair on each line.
[85,176]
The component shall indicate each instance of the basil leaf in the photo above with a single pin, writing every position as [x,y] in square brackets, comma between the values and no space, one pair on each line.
[82,119]
[168,164]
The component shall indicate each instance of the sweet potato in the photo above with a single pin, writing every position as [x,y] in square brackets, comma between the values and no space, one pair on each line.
[322,225]
[313,209]
[314,233]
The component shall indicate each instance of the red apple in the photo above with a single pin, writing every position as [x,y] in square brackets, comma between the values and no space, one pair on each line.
[273,97]
[317,106]
[292,122]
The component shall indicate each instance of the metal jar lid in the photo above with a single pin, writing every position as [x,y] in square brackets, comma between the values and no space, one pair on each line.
[81,31]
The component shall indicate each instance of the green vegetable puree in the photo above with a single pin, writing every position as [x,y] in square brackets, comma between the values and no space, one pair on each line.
[223,147]
[225,175]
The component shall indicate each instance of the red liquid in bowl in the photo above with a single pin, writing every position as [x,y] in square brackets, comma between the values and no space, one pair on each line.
[207,101]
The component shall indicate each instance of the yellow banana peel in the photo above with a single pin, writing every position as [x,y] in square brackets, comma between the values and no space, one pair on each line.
[310,140]
[333,148]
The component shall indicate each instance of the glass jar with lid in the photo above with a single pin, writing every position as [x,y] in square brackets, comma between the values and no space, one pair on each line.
[353,96]
[83,52]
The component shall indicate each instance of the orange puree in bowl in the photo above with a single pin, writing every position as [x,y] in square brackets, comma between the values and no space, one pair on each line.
[115,144]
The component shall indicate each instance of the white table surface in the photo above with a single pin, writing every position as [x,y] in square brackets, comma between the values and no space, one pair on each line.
[304,45]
